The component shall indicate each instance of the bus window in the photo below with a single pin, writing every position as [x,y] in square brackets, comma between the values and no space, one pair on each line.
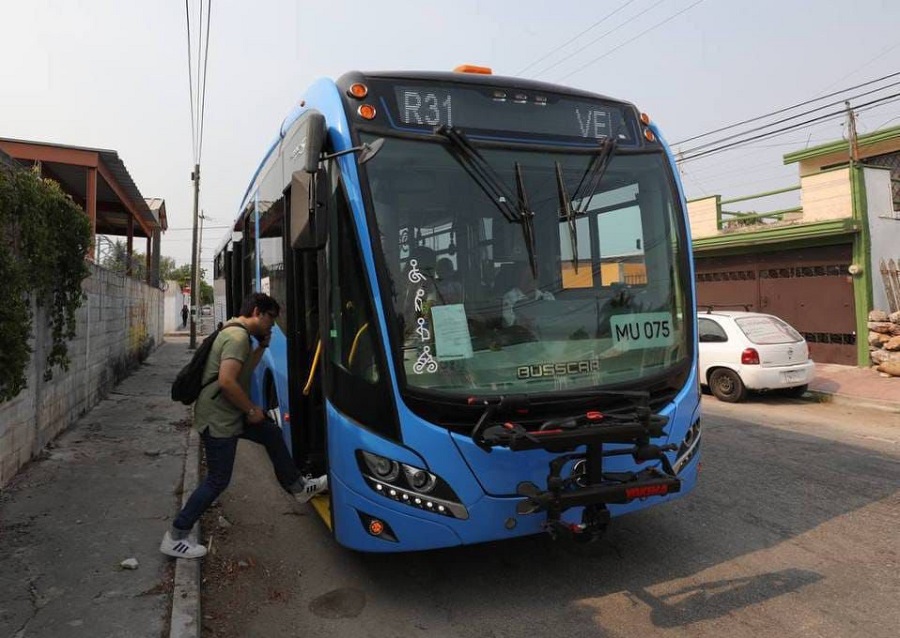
[357,384]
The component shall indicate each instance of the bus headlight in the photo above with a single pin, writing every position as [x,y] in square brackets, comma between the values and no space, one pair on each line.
[414,486]
[419,480]
[382,468]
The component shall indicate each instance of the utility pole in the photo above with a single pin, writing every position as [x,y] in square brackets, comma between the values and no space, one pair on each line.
[851,125]
[195,259]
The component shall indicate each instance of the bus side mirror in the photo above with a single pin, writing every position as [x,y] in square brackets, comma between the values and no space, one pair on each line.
[309,199]
[315,141]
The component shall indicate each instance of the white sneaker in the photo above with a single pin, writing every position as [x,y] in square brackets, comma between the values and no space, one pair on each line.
[183,548]
[310,486]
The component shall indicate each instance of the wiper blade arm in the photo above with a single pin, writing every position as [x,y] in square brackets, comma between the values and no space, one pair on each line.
[526,218]
[566,213]
[484,175]
[481,172]
[593,175]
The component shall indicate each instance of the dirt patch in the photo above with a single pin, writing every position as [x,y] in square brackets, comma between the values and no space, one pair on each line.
[235,581]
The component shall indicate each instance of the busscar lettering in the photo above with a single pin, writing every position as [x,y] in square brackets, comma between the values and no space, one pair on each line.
[561,369]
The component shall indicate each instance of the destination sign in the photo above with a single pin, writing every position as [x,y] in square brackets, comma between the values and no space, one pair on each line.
[512,110]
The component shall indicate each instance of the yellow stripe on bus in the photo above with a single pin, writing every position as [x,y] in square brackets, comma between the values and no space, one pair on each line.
[323,507]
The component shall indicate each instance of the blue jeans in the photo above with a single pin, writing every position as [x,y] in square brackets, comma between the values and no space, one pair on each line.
[220,453]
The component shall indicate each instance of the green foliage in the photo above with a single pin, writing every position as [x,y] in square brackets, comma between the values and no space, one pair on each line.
[182,275]
[44,237]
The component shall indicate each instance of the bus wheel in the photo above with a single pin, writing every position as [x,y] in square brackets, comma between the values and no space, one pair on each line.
[727,386]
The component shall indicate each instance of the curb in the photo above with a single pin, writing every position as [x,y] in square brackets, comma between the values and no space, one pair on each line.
[185,621]
[856,402]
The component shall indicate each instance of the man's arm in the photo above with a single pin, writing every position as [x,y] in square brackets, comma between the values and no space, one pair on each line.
[229,371]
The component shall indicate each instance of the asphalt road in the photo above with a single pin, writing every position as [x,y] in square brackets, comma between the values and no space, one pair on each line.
[794,530]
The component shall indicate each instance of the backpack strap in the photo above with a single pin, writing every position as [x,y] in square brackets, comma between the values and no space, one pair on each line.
[235,324]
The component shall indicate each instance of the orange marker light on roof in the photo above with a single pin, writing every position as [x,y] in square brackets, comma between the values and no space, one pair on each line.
[471,68]
[649,135]
[645,119]
[366,111]
[358,90]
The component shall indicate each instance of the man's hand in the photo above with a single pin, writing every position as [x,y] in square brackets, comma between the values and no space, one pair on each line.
[255,416]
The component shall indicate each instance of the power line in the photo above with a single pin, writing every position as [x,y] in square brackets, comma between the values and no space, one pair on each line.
[792,117]
[784,110]
[828,116]
[642,33]
[205,62]
[570,40]
[187,13]
[595,40]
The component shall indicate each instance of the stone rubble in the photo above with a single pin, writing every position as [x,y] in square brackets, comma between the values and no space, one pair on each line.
[884,341]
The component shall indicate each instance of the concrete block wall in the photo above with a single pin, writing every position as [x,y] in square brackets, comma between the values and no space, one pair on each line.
[119,324]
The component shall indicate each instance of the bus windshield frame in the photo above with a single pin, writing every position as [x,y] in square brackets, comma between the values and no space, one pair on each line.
[443,321]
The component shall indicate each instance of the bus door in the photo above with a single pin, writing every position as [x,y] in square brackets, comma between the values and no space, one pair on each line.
[304,347]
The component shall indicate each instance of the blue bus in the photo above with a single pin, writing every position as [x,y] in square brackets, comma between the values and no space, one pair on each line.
[487,325]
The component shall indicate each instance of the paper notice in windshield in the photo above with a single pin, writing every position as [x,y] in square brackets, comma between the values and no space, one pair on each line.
[451,332]
[642,330]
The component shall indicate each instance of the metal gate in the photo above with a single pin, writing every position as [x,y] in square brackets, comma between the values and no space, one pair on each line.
[809,288]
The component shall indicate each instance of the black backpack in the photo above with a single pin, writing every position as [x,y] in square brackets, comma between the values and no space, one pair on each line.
[189,382]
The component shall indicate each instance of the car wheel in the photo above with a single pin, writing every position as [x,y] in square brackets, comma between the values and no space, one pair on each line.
[797,391]
[727,386]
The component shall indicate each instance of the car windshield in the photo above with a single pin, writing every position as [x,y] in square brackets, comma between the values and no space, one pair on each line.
[764,330]
[602,302]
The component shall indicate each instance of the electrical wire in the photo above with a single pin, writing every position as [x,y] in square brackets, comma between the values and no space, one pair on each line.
[687,156]
[642,33]
[187,13]
[597,39]
[205,62]
[570,40]
[783,110]
[792,117]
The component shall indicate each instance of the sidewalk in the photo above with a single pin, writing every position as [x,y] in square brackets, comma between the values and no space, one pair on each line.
[103,492]
[857,387]
[108,487]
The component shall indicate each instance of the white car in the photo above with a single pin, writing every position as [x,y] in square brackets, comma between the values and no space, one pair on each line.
[741,351]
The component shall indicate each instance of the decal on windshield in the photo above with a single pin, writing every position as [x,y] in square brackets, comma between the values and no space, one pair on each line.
[642,330]
[561,369]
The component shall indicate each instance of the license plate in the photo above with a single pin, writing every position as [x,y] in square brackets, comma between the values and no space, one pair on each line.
[792,376]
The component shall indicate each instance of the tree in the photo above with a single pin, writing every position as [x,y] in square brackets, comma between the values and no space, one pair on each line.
[182,275]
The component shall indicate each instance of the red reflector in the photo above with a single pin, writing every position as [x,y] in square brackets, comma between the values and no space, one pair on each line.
[593,415]
[646,490]
[750,357]
[376,527]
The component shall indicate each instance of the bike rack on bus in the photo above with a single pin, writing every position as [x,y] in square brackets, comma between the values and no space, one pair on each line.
[590,488]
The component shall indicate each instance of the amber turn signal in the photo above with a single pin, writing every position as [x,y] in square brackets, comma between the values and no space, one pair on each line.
[357,90]
[366,111]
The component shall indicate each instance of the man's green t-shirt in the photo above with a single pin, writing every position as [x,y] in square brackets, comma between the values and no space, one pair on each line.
[212,410]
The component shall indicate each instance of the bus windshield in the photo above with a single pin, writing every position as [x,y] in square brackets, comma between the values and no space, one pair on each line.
[591,292]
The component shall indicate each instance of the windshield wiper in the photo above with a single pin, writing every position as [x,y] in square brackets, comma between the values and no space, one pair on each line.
[590,180]
[566,212]
[593,174]
[483,174]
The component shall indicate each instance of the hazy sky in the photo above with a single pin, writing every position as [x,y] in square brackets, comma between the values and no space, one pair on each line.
[114,74]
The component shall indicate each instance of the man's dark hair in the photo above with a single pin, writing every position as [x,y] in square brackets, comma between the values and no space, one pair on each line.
[260,301]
